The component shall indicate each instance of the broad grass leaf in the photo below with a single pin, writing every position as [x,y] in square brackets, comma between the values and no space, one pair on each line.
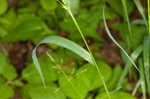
[60,41]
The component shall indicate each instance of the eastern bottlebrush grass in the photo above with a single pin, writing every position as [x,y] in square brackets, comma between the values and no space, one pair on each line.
[88,56]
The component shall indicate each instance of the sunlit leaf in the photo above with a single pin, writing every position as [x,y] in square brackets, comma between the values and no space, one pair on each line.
[49,5]
[30,74]
[86,79]
[116,95]
[39,92]
[6,91]
[3,6]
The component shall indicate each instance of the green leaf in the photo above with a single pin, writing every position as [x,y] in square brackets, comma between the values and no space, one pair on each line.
[9,72]
[60,41]
[3,32]
[38,92]
[133,41]
[8,20]
[3,6]
[31,75]
[117,95]
[86,79]
[117,71]
[85,20]
[117,6]
[48,5]
[67,64]
[31,8]
[3,61]
[27,27]
[6,91]
[18,83]
[6,69]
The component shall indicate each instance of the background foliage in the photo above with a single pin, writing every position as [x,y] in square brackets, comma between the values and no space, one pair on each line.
[24,23]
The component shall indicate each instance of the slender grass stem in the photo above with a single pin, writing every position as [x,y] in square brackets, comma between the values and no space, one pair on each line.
[82,36]
[94,61]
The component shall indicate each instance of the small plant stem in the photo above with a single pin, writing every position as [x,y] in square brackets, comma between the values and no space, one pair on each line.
[66,77]
[93,59]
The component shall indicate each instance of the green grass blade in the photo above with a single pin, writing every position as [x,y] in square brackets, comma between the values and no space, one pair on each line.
[136,87]
[60,41]
[63,42]
[138,22]
[141,10]
[112,38]
[143,89]
[142,77]
[128,65]
[146,56]
[126,16]
[140,62]
[37,65]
